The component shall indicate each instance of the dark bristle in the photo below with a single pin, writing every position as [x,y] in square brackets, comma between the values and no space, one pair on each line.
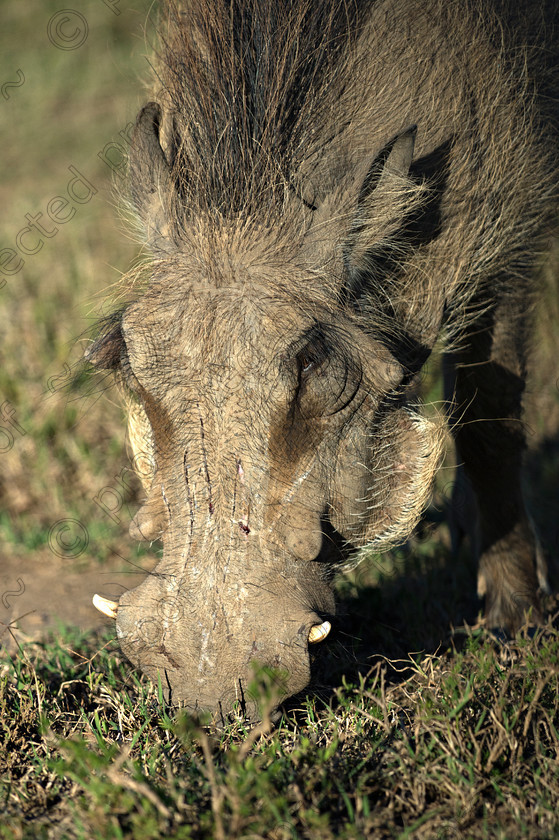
[249,84]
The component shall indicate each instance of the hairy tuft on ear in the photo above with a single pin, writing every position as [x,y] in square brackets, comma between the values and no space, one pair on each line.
[401,455]
[387,198]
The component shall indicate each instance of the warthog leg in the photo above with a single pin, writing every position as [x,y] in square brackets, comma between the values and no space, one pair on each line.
[486,397]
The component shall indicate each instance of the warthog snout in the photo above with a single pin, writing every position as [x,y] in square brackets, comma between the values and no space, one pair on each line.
[205,650]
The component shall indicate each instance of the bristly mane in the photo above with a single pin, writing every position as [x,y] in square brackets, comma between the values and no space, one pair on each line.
[250,86]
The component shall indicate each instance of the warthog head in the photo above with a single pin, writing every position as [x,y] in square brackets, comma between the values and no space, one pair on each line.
[263,417]
[267,412]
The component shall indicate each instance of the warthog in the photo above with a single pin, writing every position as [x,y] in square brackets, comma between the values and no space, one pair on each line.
[326,188]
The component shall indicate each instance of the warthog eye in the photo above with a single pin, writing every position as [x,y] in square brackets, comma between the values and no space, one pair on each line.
[327,377]
[314,352]
[109,352]
[309,361]
[306,364]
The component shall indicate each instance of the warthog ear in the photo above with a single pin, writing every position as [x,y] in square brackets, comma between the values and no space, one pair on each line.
[106,351]
[150,178]
[386,199]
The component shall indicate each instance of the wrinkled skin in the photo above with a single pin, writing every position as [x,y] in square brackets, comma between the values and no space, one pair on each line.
[301,276]
[244,574]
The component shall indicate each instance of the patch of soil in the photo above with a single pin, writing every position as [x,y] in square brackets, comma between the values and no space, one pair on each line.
[40,590]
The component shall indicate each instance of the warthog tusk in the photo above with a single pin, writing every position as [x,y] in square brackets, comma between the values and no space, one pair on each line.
[319,632]
[105,606]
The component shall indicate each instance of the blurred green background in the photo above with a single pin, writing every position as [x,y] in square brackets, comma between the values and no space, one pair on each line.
[71,83]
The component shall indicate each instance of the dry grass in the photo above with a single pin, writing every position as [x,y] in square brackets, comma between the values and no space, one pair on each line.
[462,744]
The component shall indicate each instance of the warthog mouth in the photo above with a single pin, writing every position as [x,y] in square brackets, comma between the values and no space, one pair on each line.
[257,690]
[317,633]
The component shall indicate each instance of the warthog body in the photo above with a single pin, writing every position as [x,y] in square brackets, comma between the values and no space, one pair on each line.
[326,188]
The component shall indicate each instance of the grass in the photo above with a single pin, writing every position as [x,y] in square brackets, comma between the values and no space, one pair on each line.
[457,739]
[414,729]
[70,106]
[459,744]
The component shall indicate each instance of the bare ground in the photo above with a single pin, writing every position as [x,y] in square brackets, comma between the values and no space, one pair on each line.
[40,590]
